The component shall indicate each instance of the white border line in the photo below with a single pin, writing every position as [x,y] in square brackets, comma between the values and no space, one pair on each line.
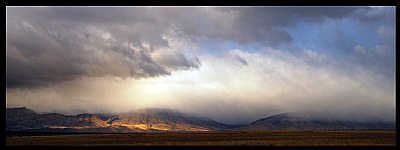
[202,6]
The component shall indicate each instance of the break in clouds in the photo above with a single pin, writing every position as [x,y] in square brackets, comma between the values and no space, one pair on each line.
[233,64]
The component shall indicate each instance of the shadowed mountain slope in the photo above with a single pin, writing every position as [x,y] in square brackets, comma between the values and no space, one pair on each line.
[313,121]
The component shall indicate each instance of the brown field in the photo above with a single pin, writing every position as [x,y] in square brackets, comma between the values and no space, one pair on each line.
[221,138]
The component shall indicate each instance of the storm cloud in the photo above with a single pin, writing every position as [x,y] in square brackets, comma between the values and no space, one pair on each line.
[247,61]
[51,44]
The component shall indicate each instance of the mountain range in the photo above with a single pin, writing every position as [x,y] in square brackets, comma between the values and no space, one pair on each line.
[313,121]
[161,119]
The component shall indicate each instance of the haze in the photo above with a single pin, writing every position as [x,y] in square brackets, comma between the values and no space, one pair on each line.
[232,64]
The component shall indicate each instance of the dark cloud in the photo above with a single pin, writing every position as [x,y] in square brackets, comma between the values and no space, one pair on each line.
[43,56]
[51,44]
[264,24]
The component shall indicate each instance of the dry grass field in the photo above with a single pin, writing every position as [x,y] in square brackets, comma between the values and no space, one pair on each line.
[221,138]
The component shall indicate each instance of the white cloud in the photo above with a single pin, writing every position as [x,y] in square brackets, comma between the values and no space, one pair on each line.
[359,49]
[310,53]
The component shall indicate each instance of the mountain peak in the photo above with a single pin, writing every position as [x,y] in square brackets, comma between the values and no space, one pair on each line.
[316,121]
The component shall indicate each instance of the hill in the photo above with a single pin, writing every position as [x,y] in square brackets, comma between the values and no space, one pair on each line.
[313,121]
[149,119]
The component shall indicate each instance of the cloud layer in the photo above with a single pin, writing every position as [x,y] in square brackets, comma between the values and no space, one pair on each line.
[70,42]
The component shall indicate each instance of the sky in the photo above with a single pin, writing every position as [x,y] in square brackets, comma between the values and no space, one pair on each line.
[232,64]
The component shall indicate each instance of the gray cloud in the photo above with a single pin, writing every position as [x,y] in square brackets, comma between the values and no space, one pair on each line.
[265,24]
[48,45]
[241,60]
[51,44]
[177,61]
[37,55]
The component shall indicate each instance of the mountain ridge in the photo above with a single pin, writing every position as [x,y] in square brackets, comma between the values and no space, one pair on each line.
[164,119]
[305,121]
[135,121]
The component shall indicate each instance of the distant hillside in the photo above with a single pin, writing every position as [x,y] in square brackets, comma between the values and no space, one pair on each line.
[166,119]
[158,119]
[23,119]
[154,119]
[308,121]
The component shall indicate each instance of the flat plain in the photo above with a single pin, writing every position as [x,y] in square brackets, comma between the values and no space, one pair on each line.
[214,138]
